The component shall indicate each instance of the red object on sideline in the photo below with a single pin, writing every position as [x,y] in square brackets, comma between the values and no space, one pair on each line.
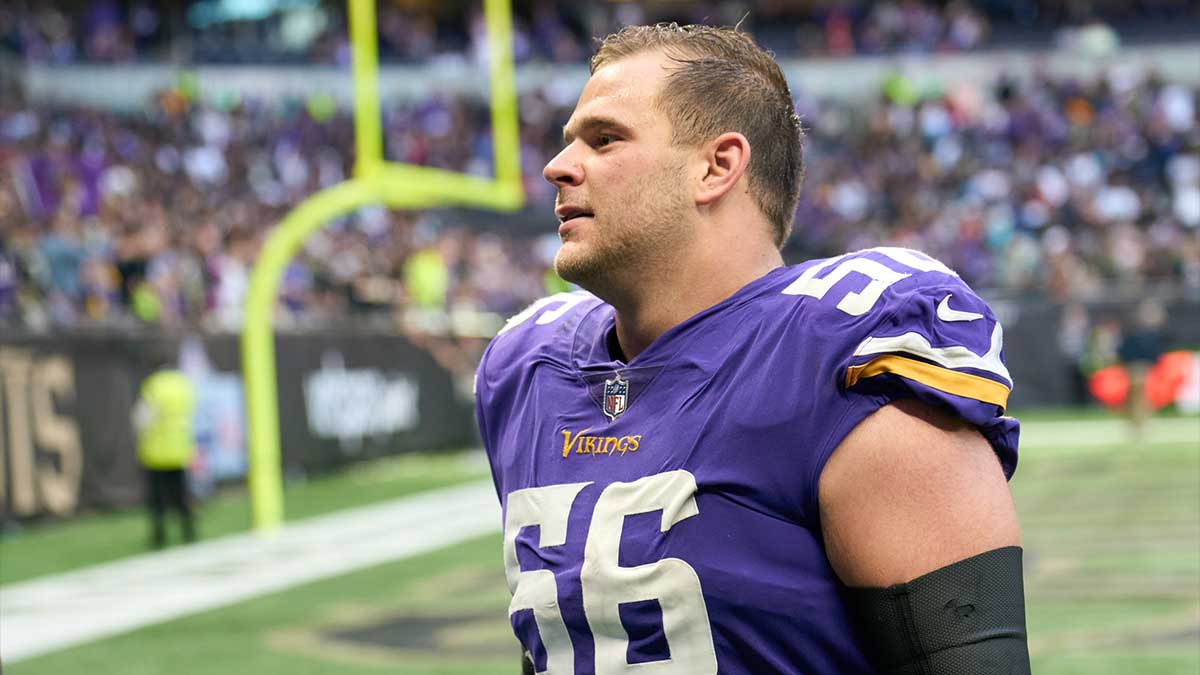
[1110,385]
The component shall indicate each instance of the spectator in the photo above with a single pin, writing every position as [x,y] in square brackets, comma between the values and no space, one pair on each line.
[1140,349]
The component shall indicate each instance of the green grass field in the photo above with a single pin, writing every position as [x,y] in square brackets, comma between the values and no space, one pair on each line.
[1111,530]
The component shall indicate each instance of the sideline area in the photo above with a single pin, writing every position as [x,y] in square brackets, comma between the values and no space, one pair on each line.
[1038,435]
[64,610]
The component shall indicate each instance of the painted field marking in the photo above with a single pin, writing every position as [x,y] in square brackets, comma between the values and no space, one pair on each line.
[64,610]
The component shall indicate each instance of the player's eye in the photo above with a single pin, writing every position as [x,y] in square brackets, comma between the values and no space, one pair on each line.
[605,139]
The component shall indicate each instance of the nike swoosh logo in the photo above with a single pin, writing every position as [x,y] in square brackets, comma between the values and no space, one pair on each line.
[946,314]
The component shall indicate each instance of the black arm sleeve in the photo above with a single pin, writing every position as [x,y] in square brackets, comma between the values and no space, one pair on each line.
[963,619]
[526,664]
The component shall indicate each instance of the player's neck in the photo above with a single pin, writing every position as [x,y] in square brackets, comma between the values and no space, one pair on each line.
[682,290]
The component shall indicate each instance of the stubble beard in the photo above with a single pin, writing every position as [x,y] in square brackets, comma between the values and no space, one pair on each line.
[625,246]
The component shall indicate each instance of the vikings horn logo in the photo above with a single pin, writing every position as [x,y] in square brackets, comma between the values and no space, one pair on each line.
[616,396]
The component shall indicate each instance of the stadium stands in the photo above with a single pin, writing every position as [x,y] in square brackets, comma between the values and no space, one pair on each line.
[212,31]
[1056,185]
[1060,186]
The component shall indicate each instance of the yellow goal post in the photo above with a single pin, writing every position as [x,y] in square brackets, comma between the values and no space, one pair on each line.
[375,181]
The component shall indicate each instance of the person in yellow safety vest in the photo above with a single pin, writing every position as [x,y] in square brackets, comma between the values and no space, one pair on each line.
[163,420]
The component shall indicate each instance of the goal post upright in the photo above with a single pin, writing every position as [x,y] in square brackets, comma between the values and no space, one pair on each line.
[368,117]
[375,181]
[506,149]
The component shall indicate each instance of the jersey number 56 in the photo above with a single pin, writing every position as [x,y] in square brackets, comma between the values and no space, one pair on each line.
[606,585]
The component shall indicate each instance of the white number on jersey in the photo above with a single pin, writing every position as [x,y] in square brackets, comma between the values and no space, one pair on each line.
[606,584]
[566,302]
[857,303]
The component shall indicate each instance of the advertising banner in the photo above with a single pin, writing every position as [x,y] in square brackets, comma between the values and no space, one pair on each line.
[67,441]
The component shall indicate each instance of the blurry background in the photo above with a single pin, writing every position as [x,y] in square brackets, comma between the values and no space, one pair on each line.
[1047,151]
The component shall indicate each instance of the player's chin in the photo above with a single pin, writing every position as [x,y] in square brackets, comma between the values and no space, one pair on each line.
[566,257]
[572,262]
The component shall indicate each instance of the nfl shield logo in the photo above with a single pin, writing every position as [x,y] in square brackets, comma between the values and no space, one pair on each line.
[616,397]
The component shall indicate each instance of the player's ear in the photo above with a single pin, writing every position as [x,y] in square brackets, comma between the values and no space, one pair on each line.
[726,159]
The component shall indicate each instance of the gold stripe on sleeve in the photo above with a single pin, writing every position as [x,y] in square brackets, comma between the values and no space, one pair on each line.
[942,379]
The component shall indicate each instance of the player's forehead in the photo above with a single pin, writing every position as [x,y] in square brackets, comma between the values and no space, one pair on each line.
[623,92]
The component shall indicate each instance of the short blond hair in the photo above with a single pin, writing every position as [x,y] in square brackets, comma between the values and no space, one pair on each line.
[726,82]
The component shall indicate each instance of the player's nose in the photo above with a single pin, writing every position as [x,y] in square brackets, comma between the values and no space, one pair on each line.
[564,170]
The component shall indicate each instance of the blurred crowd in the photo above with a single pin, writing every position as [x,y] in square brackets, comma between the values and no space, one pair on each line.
[1055,187]
[315,31]
[157,218]
[1060,187]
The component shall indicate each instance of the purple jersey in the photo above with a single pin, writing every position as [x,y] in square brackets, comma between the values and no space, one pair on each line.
[661,515]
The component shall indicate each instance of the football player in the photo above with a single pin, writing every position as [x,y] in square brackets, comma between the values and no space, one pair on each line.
[709,462]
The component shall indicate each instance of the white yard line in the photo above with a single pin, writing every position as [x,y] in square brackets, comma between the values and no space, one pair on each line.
[64,610]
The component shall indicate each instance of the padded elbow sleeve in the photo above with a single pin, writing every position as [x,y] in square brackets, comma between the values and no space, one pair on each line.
[967,618]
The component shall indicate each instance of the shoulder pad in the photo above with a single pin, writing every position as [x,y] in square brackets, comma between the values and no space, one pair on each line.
[895,323]
[856,282]
[548,310]
[543,328]
[896,309]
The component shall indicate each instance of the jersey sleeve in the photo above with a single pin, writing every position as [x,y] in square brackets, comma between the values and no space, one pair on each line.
[922,334]
[482,391]
[943,345]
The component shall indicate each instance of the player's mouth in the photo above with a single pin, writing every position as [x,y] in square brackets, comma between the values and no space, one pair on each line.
[568,216]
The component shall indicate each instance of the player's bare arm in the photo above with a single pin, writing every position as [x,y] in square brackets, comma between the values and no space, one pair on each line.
[916,494]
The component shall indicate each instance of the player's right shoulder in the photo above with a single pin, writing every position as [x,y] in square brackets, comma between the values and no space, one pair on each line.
[543,330]
[547,311]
